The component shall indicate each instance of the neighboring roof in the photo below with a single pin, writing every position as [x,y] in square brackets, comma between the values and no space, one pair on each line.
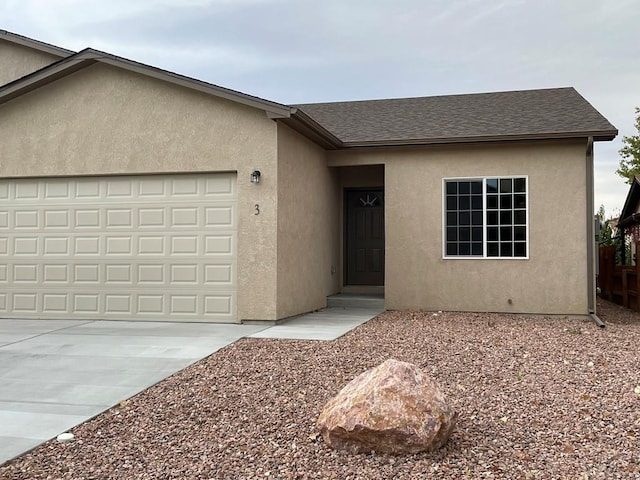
[35,44]
[628,216]
[528,114]
[88,57]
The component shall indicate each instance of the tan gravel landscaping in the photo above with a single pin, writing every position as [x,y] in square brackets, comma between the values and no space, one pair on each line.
[538,398]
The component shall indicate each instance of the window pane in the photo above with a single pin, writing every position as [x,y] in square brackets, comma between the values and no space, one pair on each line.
[505,202]
[520,217]
[520,201]
[505,185]
[486,217]
[520,249]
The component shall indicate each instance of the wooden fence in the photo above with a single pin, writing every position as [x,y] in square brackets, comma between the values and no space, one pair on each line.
[619,284]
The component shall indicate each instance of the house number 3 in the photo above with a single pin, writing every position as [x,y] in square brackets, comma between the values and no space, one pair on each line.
[257,212]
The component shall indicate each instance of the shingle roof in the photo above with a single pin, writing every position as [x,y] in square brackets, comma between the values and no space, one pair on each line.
[528,114]
[548,113]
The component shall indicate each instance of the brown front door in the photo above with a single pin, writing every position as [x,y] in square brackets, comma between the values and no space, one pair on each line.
[365,237]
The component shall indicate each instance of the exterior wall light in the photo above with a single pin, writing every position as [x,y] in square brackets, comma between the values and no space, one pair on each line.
[255,176]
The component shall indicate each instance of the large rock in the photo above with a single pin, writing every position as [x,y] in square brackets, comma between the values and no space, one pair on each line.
[393,408]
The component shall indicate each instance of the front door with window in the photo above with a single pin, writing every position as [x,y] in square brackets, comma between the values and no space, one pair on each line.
[365,237]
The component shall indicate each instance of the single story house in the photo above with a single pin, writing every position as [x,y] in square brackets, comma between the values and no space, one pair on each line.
[131,192]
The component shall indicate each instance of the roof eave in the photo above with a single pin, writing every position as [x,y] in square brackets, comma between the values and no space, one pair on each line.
[89,57]
[273,109]
[35,44]
[43,77]
[307,126]
[601,135]
[630,203]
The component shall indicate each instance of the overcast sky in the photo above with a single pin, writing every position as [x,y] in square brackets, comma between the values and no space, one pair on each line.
[299,51]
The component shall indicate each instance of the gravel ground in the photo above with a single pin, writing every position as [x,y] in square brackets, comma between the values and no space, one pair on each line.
[538,398]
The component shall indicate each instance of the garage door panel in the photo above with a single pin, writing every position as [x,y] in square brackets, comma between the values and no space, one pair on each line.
[25,274]
[27,190]
[56,219]
[161,247]
[56,246]
[25,220]
[55,274]
[57,190]
[55,303]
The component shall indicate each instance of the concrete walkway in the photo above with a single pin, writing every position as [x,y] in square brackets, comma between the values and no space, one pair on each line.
[343,313]
[56,374]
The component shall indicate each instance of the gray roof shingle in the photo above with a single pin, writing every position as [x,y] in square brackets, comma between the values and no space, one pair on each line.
[548,113]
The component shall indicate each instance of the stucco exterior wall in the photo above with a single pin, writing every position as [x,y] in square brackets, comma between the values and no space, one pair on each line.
[552,280]
[107,121]
[362,176]
[16,61]
[308,225]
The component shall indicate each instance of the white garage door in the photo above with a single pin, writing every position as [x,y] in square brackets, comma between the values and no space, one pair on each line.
[145,247]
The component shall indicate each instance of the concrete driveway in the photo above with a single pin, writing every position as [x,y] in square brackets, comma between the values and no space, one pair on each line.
[55,374]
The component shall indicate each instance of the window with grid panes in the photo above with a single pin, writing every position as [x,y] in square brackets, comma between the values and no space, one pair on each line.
[486,217]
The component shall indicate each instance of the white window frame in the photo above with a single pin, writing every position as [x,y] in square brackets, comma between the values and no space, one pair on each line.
[443,209]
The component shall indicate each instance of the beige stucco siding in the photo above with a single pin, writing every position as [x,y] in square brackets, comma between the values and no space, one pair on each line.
[308,225]
[16,61]
[107,121]
[552,280]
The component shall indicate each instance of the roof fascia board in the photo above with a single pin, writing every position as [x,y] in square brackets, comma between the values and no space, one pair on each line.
[308,126]
[273,109]
[43,76]
[597,136]
[35,44]
[89,57]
